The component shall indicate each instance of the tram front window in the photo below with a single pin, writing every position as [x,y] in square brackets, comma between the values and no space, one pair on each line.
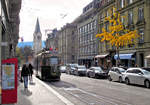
[54,61]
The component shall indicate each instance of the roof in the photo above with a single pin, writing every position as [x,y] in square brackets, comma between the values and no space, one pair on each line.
[37,27]
[30,44]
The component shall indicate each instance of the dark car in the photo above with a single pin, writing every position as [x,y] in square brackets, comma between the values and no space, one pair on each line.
[80,70]
[96,72]
[146,68]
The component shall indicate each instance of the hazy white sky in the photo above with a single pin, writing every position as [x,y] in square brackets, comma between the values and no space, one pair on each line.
[50,14]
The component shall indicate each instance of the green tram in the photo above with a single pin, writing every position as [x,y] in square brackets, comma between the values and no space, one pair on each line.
[47,66]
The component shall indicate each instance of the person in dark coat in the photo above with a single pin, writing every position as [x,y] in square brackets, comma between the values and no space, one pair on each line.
[25,74]
[30,67]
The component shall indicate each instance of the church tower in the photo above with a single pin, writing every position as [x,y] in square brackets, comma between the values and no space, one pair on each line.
[37,38]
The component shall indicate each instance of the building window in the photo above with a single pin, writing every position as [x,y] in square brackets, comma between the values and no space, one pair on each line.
[89,26]
[89,49]
[91,37]
[85,29]
[122,20]
[141,33]
[86,49]
[95,24]
[122,3]
[130,17]
[140,14]
[107,26]
[107,14]
[102,17]
[107,45]
[129,1]
[101,26]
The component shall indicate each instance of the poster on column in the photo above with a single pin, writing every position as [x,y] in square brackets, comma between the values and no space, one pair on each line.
[9,81]
[8,76]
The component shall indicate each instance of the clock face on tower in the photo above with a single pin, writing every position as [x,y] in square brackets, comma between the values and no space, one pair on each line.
[39,38]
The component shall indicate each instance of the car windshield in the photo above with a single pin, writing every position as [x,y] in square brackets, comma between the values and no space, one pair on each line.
[63,67]
[97,68]
[81,67]
[74,65]
[146,72]
[121,70]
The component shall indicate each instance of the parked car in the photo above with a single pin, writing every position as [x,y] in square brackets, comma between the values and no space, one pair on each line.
[146,68]
[63,69]
[125,68]
[80,70]
[137,76]
[70,68]
[96,72]
[116,74]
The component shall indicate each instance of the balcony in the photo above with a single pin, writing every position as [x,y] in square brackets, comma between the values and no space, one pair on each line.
[140,22]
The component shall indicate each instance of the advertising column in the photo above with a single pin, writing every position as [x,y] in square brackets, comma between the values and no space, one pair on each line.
[9,81]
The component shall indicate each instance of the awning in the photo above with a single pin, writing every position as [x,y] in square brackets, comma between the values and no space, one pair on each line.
[86,57]
[123,56]
[101,56]
[147,57]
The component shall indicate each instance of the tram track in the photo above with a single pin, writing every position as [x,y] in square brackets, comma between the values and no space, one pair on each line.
[96,99]
[89,98]
[86,91]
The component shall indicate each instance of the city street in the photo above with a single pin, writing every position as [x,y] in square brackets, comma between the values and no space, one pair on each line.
[90,91]
[57,41]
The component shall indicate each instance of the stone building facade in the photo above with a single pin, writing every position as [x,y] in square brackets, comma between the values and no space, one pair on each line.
[10,21]
[87,30]
[67,46]
[52,40]
[9,29]
[137,17]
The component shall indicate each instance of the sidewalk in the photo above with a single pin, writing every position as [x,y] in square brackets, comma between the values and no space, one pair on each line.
[37,94]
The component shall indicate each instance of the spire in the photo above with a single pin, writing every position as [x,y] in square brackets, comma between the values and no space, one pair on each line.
[37,27]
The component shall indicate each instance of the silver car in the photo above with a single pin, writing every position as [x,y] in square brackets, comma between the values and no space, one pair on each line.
[96,72]
[137,76]
[116,74]
[80,70]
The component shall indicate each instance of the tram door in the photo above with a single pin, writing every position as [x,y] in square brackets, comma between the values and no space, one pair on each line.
[54,66]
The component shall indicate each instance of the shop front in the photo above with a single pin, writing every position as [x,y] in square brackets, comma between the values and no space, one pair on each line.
[147,61]
[104,60]
[126,60]
[87,61]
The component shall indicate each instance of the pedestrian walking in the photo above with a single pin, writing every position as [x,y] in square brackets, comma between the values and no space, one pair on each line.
[30,67]
[25,74]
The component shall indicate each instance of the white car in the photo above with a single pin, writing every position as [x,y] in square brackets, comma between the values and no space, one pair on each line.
[116,74]
[63,69]
[137,76]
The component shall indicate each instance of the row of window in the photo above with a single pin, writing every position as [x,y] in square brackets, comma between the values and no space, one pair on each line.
[86,39]
[90,49]
[130,16]
[86,28]
[140,41]
[124,2]
[86,32]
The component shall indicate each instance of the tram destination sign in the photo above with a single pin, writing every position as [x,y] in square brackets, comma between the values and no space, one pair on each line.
[53,60]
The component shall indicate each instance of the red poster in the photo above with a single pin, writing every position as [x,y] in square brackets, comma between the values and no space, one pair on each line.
[9,80]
